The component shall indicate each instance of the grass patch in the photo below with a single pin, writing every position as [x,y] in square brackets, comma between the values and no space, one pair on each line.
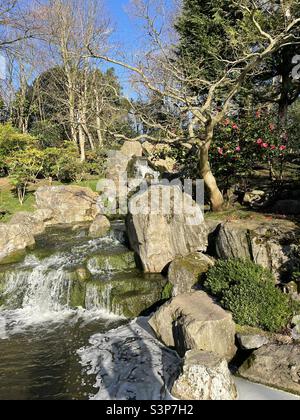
[91,183]
[234,214]
[9,204]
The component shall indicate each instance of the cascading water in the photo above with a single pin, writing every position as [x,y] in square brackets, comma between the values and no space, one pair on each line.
[46,314]
[65,291]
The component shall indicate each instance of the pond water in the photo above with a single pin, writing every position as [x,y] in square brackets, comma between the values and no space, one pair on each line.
[50,306]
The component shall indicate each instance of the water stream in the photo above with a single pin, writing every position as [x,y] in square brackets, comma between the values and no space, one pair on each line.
[65,329]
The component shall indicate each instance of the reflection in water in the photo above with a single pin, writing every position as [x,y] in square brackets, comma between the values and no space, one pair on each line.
[42,362]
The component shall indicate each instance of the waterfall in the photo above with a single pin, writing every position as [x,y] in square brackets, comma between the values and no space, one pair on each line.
[41,287]
[98,300]
[49,290]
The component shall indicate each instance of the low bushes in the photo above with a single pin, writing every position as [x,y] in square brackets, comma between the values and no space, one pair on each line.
[249,292]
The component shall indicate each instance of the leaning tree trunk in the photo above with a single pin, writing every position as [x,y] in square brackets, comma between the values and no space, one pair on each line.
[215,195]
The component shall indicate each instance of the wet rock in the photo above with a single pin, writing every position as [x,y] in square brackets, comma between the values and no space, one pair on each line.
[171,226]
[118,261]
[205,377]
[125,294]
[185,272]
[195,321]
[276,366]
[100,227]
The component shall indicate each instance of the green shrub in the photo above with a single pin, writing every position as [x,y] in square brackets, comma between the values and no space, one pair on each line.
[227,273]
[12,141]
[248,291]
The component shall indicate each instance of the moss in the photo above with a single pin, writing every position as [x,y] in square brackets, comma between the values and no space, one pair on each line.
[167,292]
[235,214]
[246,330]
[13,258]
[91,183]
[114,262]
[77,293]
[131,293]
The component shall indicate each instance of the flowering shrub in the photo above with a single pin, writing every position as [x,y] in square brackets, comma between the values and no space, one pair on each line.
[241,142]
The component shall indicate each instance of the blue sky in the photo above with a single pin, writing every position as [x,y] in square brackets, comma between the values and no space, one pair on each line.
[126,34]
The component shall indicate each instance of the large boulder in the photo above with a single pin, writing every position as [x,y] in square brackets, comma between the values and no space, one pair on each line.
[195,321]
[185,272]
[132,148]
[271,244]
[275,365]
[164,223]
[124,175]
[69,204]
[205,377]
[13,239]
[164,165]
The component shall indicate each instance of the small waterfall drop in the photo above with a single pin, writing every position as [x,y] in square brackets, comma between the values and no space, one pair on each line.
[48,289]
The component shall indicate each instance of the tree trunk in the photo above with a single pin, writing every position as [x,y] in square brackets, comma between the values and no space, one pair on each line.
[215,195]
[98,120]
[81,143]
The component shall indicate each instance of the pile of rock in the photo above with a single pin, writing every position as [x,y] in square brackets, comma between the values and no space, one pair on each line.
[204,333]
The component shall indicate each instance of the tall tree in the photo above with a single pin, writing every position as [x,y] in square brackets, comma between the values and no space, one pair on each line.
[205,87]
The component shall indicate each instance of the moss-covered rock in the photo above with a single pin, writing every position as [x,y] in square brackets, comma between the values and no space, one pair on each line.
[14,258]
[121,261]
[128,294]
[186,272]
[77,291]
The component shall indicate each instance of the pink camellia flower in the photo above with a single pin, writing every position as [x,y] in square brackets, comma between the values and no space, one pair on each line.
[220,151]
[235,127]
[265,145]
[282,148]
[260,141]
[273,147]
[238,149]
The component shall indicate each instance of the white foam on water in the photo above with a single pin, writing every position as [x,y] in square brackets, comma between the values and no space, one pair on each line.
[129,363]
[3,328]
